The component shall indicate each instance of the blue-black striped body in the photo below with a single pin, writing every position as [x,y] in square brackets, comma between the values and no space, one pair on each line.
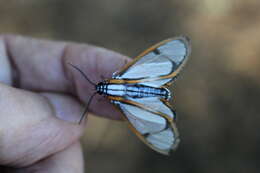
[131,90]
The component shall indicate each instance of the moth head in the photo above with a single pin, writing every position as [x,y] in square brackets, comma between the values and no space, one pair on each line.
[100,87]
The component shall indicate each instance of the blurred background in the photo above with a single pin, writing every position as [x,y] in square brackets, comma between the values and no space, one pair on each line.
[216,96]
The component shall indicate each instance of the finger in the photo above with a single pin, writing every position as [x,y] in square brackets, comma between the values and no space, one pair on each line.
[42,66]
[69,160]
[31,127]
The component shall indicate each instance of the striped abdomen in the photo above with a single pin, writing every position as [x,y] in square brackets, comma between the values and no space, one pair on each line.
[132,90]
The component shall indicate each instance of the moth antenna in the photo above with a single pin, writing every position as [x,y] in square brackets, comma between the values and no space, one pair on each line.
[86,109]
[82,73]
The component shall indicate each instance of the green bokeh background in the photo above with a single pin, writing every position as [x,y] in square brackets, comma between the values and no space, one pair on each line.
[217,96]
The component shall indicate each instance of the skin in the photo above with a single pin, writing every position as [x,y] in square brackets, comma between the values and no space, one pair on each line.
[42,98]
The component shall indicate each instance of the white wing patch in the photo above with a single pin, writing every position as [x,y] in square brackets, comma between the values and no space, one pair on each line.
[155,104]
[163,140]
[150,65]
[156,83]
[142,120]
[176,50]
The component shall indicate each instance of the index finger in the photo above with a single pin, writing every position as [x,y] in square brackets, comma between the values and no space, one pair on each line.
[41,65]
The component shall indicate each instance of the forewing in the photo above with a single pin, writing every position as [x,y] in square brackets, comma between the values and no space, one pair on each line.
[159,64]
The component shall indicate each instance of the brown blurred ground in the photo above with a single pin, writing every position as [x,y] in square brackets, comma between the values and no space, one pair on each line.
[217,96]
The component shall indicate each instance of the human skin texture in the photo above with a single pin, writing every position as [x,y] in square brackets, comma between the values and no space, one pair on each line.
[42,98]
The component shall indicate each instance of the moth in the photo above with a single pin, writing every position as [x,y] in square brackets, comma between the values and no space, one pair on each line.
[140,92]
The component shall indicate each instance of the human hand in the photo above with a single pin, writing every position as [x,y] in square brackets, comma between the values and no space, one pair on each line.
[41,102]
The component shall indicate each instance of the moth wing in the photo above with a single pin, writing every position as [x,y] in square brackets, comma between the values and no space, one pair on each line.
[159,64]
[158,132]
